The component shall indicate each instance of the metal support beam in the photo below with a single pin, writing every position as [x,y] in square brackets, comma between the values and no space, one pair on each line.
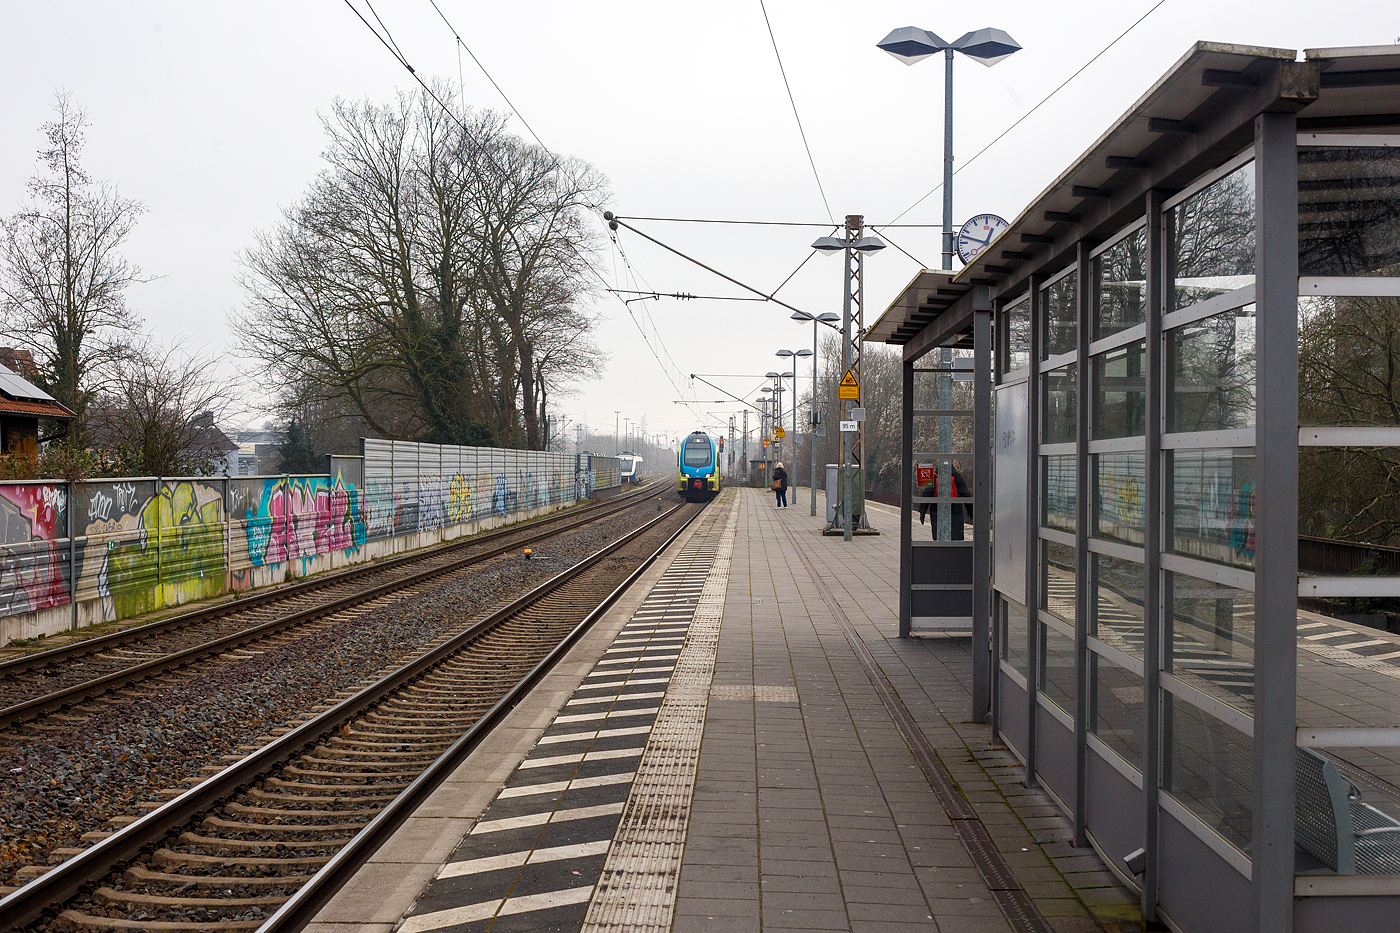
[1033,665]
[906,500]
[1276,516]
[1153,525]
[1084,307]
[983,662]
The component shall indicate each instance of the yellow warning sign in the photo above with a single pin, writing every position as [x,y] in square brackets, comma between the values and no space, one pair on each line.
[849,389]
[780,433]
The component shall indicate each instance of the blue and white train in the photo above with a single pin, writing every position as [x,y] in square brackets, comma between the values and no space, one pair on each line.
[698,467]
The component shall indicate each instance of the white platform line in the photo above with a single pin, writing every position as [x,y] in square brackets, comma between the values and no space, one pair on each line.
[539,819]
[609,698]
[478,866]
[578,759]
[599,734]
[639,670]
[472,913]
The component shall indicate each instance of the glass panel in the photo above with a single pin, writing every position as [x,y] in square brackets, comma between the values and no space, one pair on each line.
[1210,639]
[1057,572]
[1018,335]
[1115,603]
[1209,769]
[1116,708]
[1060,316]
[1210,373]
[1014,637]
[1057,425]
[1057,668]
[1211,237]
[1120,286]
[1212,507]
[1061,496]
[1349,211]
[1350,495]
[1118,497]
[1350,348]
[1120,392]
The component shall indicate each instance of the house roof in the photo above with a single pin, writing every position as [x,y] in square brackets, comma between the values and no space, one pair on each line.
[19,396]
[10,406]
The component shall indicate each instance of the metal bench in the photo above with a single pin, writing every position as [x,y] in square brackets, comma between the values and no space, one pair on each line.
[1334,826]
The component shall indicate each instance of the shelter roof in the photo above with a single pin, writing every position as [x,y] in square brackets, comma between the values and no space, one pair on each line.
[1196,116]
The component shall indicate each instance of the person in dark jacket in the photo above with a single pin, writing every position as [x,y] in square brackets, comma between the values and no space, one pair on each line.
[959,491]
[780,484]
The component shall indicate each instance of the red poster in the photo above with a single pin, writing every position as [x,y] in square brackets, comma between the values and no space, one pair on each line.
[924,474]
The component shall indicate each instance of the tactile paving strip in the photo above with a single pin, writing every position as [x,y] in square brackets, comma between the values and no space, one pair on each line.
[637,889]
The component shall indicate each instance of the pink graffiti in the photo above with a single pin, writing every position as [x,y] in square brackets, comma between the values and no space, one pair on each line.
[36,582]
[40,505]
[306,521]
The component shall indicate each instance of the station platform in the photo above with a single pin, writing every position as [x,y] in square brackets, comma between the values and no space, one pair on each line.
[743,744]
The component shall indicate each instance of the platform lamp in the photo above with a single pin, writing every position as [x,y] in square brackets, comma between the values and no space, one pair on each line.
[911,44]
[855,249]
[829,318]
[794,355]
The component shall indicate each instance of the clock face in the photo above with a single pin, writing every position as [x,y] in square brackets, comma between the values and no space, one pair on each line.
[977,234]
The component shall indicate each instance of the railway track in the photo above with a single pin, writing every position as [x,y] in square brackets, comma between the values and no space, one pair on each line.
[276,832]
[57,679]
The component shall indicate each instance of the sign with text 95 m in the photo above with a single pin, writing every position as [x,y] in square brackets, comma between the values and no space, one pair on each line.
[850,427]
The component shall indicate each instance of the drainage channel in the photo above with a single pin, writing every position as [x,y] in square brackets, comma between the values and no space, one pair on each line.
[1015,903]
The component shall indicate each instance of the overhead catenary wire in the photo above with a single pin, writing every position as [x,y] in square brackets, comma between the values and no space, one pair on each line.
[889,240]
[1002,135]
[796,116]
[515,110]
[387,40]
[770,223]
[711,269]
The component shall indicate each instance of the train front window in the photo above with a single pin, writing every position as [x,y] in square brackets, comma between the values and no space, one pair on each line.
[697,452]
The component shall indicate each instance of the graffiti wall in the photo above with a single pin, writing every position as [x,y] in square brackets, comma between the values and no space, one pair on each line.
[143,544]
[416,489]
[290,519]
[34,565]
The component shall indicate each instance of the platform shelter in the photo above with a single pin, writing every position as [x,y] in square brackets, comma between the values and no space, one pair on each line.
[1182,356]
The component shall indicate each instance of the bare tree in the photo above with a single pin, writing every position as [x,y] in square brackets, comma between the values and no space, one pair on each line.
[62,277]
[426,279]
[160,413]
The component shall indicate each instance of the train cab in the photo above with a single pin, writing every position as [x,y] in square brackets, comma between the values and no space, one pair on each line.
[698,467]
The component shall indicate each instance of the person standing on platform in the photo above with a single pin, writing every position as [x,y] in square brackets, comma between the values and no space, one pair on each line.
[780,484]
[958,490]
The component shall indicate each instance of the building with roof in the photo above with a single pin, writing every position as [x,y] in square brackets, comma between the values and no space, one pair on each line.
[1137,437]
[22,406]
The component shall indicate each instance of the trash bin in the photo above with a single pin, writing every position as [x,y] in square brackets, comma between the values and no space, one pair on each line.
[834,493]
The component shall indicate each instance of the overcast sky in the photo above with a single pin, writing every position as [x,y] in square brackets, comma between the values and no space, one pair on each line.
[209,115]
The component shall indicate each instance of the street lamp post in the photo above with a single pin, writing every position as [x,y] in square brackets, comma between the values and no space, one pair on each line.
[794,355]
[617,435]
[814,417]
[854,246]
[911,44]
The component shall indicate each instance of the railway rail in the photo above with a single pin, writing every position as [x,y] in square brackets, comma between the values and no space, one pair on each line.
[59,678]
[274,834]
